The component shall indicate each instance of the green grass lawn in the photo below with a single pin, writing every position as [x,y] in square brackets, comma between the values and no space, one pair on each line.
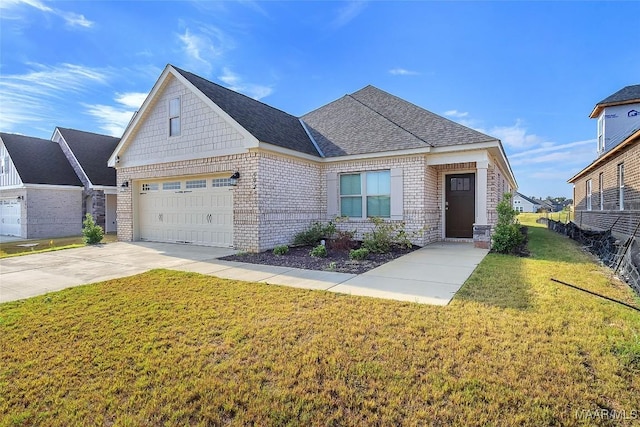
[170,348]
[8,249]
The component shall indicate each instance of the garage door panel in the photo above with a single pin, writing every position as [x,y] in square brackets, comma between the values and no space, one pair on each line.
[10,213]
[200,216]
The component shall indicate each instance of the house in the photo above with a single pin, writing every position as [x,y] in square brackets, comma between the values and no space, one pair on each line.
[40,194]
[607,191]
[202,164]
[47,186]
[522,203]
[88,154]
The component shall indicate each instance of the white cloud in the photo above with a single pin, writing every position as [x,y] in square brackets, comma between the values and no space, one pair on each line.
[36,96]
[548,147]
[347,13]
[204,45]
[131,99]
[456,114]
[113,120]
[402,72]
[236,83]
[71,18]
[516,136]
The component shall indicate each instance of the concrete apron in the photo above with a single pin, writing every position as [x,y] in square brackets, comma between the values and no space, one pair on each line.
[431,275]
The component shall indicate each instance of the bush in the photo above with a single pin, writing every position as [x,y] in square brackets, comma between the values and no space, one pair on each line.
[280,250]
[359,254]
[507,236]
[315,233]
[319,251]
[92,233]
[343,241]
[384,236]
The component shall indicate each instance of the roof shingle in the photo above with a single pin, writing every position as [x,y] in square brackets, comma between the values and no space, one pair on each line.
[628,93]
[39,161]
[92,151]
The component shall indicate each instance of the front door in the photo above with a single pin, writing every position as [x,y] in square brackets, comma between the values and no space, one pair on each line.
[460,203]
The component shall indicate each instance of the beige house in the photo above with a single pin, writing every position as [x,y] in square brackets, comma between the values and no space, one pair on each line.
[607,191]
[204,165]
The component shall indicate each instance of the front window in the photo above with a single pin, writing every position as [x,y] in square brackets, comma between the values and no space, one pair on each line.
[366,194]
[621,186]
[601,133]
[589,195]
[174,117]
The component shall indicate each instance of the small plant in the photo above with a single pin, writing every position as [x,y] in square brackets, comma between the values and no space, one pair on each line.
[343,241]
[385,235]
[92,232]
[359,254]
[507,236]
[332,266]
[280,250]
[314,234]
[319,251]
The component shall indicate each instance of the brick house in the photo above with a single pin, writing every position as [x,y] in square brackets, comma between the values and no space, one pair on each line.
[606,193]
[205,165]
[47,186]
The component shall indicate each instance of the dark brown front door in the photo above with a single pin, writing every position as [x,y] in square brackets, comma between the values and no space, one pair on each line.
[460,205]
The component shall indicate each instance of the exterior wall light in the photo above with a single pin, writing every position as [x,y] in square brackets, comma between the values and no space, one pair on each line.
[125,184]
[234,178]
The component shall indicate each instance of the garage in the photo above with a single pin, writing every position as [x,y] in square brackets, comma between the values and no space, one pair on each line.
[191,210]
[10,211]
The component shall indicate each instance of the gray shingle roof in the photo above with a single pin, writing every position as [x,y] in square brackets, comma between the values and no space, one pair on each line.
[92,151]
[528,199]
[266,123]
[39,161]
[628,93]
[371,120]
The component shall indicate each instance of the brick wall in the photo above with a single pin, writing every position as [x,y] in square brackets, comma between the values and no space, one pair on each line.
[53,212]
[623,222]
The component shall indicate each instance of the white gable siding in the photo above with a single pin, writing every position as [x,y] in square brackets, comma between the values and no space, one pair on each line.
[203,132]
[8,175]
[619,122]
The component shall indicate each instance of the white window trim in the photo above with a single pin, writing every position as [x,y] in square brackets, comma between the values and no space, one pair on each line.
[589,194]
[601,189]
[601,142]
[621,185]
[364,194]
[178,116]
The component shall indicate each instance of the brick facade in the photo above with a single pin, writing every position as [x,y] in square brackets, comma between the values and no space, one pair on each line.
[622,222]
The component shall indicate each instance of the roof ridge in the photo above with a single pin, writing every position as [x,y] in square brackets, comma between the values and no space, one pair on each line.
[388,119]
[86,131]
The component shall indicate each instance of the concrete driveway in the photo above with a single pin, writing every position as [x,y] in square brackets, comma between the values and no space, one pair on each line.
[431,275]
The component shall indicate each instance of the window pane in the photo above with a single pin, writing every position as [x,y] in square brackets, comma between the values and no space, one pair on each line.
[174,107]
[198,183]
[174,126]
[379,182]
[379,206]
[351,206]
[171,185]
[349,184]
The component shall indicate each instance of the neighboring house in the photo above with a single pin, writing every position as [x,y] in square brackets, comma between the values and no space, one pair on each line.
[522,203]
[88,154]
[607,192]
[40,194]
[205,165]
[546,205]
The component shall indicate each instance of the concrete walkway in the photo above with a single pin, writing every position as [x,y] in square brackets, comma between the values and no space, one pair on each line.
[431,275]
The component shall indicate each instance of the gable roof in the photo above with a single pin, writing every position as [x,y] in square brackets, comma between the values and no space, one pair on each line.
[92,151]
[266,123]
[626,95]
[372,120]
[39,161]
[527,198]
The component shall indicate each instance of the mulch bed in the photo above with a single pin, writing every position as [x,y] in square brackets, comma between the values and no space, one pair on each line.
[298,257]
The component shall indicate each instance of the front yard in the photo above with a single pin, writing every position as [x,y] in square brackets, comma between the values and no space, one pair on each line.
[169,348]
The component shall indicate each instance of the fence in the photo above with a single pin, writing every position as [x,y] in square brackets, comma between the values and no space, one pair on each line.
[622,257]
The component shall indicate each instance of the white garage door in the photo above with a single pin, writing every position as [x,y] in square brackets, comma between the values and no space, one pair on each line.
[193,210]
[10,217]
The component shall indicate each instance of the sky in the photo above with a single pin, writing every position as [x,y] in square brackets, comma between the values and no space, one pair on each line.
[528,73]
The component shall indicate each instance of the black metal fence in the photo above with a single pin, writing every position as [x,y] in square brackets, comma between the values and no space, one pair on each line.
[621,256]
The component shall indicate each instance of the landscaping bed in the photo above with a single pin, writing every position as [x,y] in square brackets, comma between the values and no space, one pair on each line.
[336,260]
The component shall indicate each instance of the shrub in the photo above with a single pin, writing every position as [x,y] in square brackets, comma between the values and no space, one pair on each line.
[359,254]
[280,250]
[314,234]
[507,236]
[319,251]
[343,241]
[384,236]
[92,233]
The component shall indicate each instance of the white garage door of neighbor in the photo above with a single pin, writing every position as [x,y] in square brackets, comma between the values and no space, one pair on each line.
[10,217]
[197,211]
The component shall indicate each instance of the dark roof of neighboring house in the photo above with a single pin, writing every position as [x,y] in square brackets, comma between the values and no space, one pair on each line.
[39,161]
[530,200]
[92,151]
[626,95]
[372,120]
[266,123]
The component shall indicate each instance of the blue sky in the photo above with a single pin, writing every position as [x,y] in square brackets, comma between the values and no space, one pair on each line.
[528,73]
